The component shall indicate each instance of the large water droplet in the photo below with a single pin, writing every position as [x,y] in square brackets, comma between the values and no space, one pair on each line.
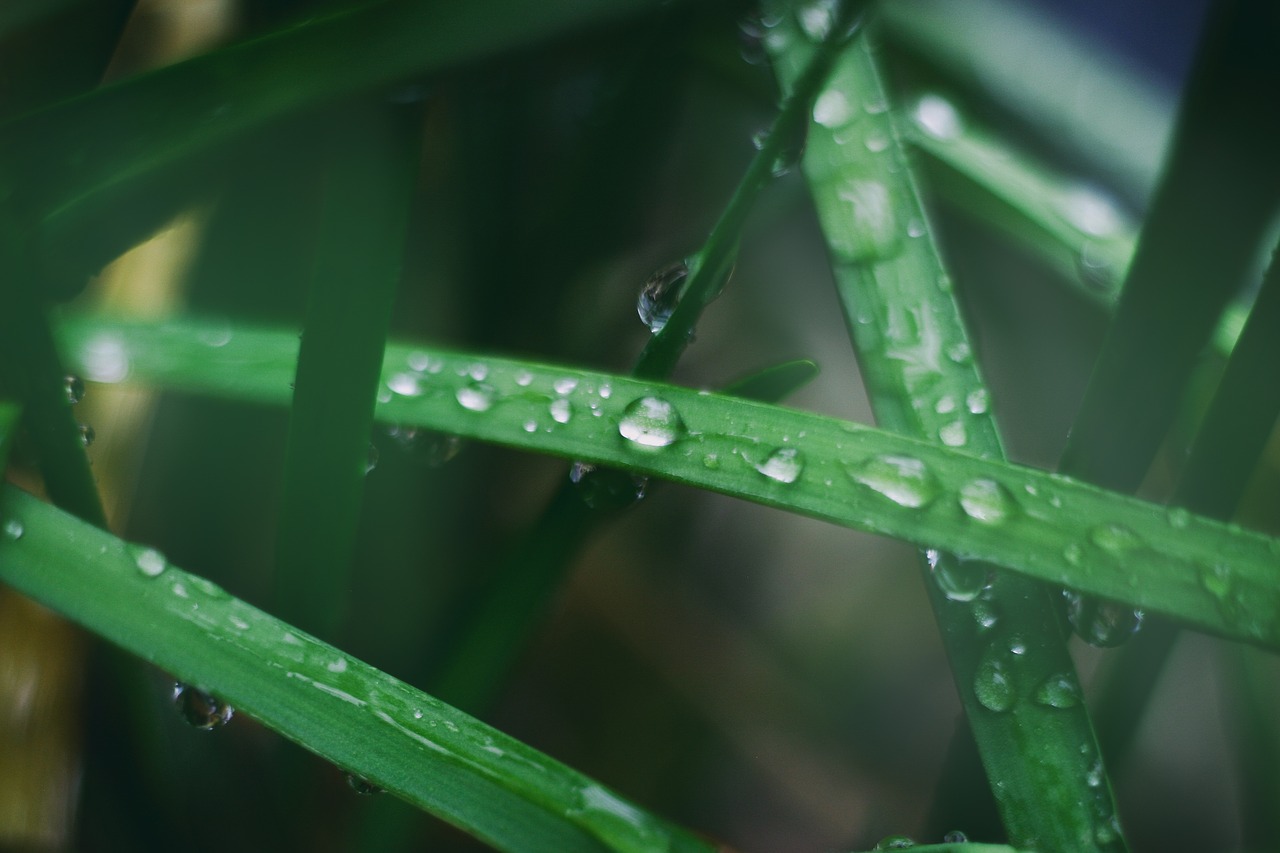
[1058,691]
[958,579]
[904,480]
[476,396]
[406,384]
[13,529]
[832,109]
[987,501]
[560,410]
[783,465]
[1100,622]
[937,117]
[993,682]
[200,709]
[660,295]
[817,18]
[651,422]
[606,488]
[148,560]
[74,389]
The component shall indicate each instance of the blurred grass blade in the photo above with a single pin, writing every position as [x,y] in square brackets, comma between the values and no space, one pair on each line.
[1002,634]
[85,158]
[1037,523]
[363,720]
[368,189]
[10,413]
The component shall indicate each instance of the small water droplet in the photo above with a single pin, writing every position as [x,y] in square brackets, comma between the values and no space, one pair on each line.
[784,465]
[1058,691]
[370,458]
[13,529]
[895,842]
[606,488]
[74,389]
[148,560]
[1216,580]
[1100,622]
[877,142]
[955,836]
[565,385]
[946,405]
[937,117]
[993,682]
[915,228]
[978,401]
[476,396]
[659,296]
[87,435]
[985,614]
[958,579]
[789,152]
[361,785]
[200,709]
[530,426]
[478,371]
[1178,517]
[817,18]
[832,109]
[905,480]
[406,384]
[1115,538]
[954,434]
[959,352]
[987,501]
[560,410]
[1090,211]
[523,378]
[651,422]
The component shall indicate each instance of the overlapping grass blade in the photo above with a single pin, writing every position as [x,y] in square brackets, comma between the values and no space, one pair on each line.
[1040,524]
[1003,638]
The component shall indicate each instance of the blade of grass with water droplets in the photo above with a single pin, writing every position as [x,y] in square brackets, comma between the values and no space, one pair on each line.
[1002,634]
[363,720]
[368,189]
[1040,524]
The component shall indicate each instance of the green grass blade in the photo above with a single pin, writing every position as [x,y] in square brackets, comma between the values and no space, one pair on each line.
[1037,523]
[365,211]
[10,413]
[334,705]
[913,350]
[86,158]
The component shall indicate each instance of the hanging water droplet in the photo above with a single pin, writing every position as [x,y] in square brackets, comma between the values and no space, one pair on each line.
[783,465]
[370,458]
[993,682]
[895,842]
[660,295]
[954,434]
[476,396]
[425,446]
[87,435]
[789,152]
[1058,691]
[199,709]
[406,384]
[1100,622]
[937,117]
[832,109]
[904,480]
[978,401]
[651,422]
[361,785]
[606,488]
[958,579]
[955,836]
[148,560]
[13,529]
[74,388]
[987,501]
[560,410]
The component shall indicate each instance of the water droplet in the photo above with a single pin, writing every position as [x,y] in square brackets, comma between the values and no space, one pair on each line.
[560,410]
[1178,517]
[87,435]
[978,401]
[1115,538]
[1090,211]
[659,296]
[985,614]
[406,384]
[1097,270]
[987,501]
[895,842]
[651,422]
[1100,622]
[832,109]
[425,446]
[606,488]
[993,682]
[361,785]
[817,18]
[953,434]
[478,371]
[946,405]
[523,378]
[530,426]
[106,359]
[877,142]
[959,579]
[74,389]
[870,227]
[783,465]
[370,458]
[959,352]
[937,117]
[476,396]
[955,836]
[904,480]
[1058,691]
[1216,580]
[199,709]
[789,152]
[13,529]
[148,560]
[1073,554]
[915,228]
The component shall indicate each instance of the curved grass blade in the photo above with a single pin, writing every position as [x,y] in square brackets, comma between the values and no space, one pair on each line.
[363,720]
[1037,523]
[1002,633]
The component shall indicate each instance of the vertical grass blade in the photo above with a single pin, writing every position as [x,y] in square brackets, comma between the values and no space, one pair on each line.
[365,210]
[1007,651]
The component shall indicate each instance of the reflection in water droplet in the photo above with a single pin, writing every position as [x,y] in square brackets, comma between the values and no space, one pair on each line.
[936,117]
[199,709]
[904,480]
[945,405]
[783,465]
[915,228]
[361,785]
[148,560]
[523,378]
[560,410]
[987,501]
[606,488]
[871,225]
[1100,622]
[958,579]
[476,396]
[651,422]
[1058,691]
[993,682]
[74,389]
[660,295]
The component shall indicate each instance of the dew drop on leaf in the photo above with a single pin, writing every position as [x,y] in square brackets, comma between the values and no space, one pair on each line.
[149,561]
[87,435]
[895,842]
[937,117]
[476,396]
[905,480]
[783,465]
[1115,538]
[1058,691]
[1100,622]
[651,422]
[958,579]
[987,501]
[832,109]
[560,410]
[406,384]
[199,709]
[993,682]
[955,836]
[13,529]
[425,446]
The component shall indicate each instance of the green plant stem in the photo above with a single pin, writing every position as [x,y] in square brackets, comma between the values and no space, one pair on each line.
[361,719]
[366,206]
